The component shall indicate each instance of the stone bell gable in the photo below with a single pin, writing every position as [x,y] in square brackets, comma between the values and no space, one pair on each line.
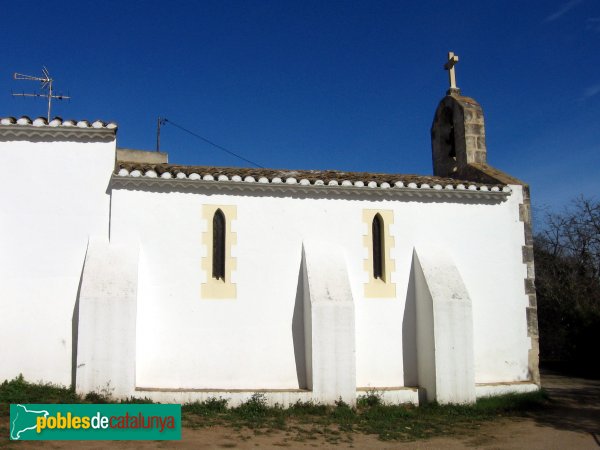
[458,142]
[457,135]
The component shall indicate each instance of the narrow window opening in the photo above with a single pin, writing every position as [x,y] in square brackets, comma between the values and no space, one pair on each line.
[218,262]
[450,141]
[378,247]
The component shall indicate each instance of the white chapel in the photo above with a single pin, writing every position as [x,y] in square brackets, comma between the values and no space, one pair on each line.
[123,272]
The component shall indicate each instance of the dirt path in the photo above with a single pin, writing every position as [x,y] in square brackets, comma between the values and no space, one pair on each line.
[571,422]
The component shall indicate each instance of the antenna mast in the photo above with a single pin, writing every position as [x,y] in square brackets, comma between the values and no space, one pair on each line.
[160,122]
[46,84]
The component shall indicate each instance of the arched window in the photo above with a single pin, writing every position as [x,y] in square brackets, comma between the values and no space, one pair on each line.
[218,256]
[378,247]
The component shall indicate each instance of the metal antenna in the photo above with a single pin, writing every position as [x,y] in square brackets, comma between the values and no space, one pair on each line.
[159,122]
[46,84]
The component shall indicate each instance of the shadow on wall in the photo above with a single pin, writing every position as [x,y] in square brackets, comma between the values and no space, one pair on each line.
[298,331]
[409,334]
[75,328]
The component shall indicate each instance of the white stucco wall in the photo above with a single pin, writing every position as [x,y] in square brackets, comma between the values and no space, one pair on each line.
[58,197]
[187,342]
[106,319]
[54,196]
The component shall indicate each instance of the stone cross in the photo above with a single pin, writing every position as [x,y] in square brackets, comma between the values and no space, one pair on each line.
[449,66]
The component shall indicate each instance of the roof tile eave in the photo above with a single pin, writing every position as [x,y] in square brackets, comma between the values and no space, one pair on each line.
[56,122]
[358,179]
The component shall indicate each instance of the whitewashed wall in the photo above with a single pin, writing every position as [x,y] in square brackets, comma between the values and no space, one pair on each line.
[53,196]
[57,196]
[185,341]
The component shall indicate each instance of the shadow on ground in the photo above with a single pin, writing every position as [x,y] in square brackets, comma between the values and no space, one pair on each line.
[574,404]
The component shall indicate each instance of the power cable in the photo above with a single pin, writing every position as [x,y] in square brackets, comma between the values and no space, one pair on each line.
[211,143]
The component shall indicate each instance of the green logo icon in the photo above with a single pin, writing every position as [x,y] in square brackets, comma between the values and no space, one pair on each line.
[95,422]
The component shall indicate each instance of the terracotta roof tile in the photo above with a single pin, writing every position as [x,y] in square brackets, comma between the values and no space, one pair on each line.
[303,177]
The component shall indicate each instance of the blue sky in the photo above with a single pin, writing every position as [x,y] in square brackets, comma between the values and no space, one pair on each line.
[306,84]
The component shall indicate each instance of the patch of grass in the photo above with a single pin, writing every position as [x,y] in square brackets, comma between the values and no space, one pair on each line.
[308,420]
[371,398]
[404,422]
[344,416]
[18,390]
[513,402]
[255,413]
[309,408]
[96,397]
[208,407]
[136,400]
[254,408]
[335,423]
